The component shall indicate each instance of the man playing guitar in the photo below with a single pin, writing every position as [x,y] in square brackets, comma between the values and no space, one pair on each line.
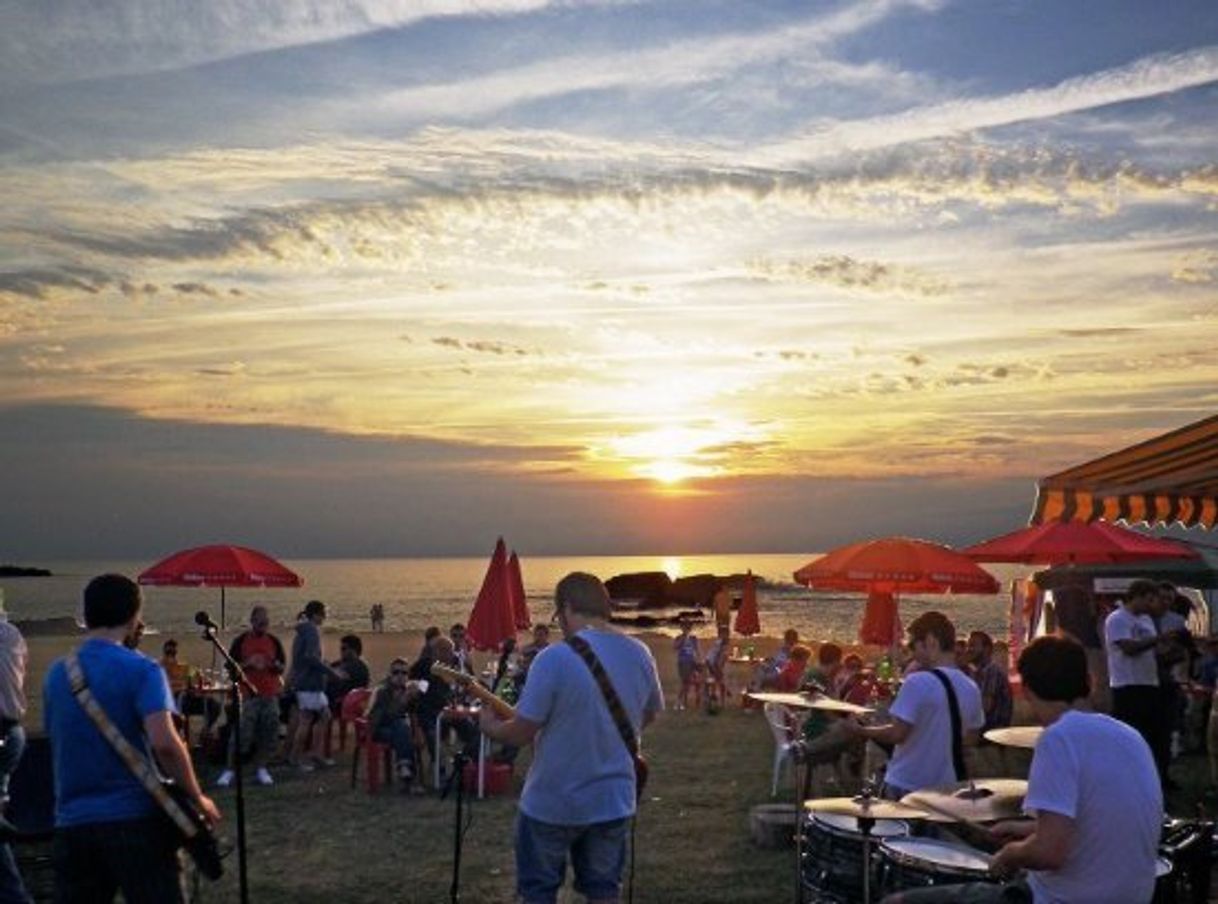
[580,793]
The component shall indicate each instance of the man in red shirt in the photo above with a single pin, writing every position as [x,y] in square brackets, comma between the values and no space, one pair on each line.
[261,655]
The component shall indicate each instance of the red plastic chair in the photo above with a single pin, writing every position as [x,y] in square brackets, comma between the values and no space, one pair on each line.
[376,753]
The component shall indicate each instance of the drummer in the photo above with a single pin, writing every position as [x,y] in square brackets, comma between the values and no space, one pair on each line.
[927,751]
[1093,790]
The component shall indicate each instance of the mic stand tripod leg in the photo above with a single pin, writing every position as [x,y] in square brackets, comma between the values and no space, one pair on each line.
[459,760]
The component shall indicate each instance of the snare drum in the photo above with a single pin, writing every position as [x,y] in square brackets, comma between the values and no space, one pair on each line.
[909,863]
[833,852]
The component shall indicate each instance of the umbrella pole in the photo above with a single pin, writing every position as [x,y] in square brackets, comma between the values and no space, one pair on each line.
[221,607]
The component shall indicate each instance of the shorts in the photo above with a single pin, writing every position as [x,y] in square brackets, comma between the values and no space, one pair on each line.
[312,701]
[686,669]
[597,853]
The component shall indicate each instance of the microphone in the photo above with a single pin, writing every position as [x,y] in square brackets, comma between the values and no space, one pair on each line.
[203,620]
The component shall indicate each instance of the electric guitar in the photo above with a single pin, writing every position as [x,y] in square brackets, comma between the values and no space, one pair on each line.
[502,708]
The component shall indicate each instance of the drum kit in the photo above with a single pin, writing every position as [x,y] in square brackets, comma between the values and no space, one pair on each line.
[849,846]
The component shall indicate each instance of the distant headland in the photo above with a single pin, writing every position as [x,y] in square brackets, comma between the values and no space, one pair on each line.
[19,571]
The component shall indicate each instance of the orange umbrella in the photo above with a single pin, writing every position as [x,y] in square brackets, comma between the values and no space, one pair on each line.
[493,620]
[520,606]
[748,620]
[891,566]
[220,565]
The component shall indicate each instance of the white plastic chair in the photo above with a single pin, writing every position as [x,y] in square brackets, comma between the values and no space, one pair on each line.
[776,716]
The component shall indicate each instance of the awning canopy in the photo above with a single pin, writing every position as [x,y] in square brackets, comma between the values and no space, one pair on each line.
[1171,478]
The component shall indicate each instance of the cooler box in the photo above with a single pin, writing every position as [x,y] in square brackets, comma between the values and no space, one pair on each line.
[497,780]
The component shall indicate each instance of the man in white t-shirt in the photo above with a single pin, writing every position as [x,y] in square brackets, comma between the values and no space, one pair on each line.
[1131,638]
[921,725]
[1093,794]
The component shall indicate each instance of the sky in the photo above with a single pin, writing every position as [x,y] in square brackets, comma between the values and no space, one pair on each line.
[394,277]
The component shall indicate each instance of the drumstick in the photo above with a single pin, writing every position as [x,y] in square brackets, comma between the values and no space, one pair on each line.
[976,829]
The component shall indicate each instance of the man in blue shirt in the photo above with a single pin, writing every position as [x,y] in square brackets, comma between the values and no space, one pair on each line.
[579,795]
[109,833]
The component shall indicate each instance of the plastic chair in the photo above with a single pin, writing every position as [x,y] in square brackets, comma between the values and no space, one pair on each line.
[375,752]
[776,717]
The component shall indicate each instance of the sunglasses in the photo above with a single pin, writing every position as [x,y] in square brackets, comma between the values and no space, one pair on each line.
[398,672]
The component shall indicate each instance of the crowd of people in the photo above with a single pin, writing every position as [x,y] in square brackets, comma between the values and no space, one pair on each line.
[1094,820]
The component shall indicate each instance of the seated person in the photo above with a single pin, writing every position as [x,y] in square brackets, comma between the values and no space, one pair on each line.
[439,695]
[389,717]
[541,640]
[852,683]
[791,678]
[350,672]
[181,677]
[766,675]
[826,739]
[1096,819]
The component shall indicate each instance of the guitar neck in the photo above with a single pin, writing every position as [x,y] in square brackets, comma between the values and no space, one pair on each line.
[502,708]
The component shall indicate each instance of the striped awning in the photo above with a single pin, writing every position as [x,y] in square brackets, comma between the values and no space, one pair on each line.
[1170,479]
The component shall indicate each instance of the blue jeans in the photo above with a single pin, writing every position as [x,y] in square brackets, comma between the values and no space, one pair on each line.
[12,888]
[398,735]
[597,853]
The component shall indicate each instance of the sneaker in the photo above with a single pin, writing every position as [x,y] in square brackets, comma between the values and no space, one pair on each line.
[305,767]
[263,777]
[324,762]
[225,779]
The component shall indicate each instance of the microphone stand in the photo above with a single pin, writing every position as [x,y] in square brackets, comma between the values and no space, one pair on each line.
[237,680]
[460,758]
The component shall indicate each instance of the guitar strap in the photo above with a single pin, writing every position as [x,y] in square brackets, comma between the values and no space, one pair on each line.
[953,708]
[616,711]
[140,766]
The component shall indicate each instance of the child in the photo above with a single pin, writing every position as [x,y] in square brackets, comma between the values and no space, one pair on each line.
[716,668]
[688,666]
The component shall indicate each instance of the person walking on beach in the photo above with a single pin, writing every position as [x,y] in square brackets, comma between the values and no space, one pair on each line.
[928,751]
[580,793]
[308,680]
[261,657]
[13,658]
[109,832]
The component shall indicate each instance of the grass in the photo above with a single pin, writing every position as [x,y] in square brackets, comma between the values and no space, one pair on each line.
[313,839]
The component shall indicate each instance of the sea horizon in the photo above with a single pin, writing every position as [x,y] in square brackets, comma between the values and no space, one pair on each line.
[418,591]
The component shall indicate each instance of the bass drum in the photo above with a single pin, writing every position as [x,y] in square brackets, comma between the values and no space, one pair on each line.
[833,855]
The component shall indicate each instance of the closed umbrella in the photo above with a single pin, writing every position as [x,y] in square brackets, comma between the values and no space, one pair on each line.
[493,619]
[748,619]
[520,605]
[220,565]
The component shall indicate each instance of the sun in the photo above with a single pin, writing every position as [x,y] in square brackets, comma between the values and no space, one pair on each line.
[671,471]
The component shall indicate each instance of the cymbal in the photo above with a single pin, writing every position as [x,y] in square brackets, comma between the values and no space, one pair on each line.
[809,701]
[982,800]
[1024,736]
[864,807]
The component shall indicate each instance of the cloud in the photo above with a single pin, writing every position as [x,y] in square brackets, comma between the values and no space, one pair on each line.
[1147,77]
[89,39]
[41,283]
[1200,268]
[847,272]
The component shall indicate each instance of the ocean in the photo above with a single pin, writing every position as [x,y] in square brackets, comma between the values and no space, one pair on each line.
[417,593]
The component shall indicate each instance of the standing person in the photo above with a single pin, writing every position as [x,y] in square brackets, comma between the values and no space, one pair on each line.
[927,750]
[686,647]
[721,602]
[13,657]
[580,793]
[261,657]
[991,680]
[716,668]
[109,832]
[1131,639]
[308,680]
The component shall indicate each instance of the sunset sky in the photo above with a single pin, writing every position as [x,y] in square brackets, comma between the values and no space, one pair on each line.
[391,277]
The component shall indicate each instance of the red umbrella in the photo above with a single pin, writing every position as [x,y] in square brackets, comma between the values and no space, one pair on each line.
[885,568]
[493,619]
[748,620]
[520,605]
[898,565]
[1076,542]
[220,566]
